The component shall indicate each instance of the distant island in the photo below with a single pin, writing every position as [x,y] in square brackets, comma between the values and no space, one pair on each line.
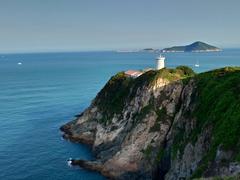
[149,50]
[194,47]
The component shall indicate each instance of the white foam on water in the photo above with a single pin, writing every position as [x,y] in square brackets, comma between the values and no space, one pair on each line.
[69,162]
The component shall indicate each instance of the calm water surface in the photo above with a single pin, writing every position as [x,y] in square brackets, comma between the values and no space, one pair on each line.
[47,90]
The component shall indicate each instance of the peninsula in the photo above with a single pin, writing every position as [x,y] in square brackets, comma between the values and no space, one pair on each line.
[164,124]
[194,47]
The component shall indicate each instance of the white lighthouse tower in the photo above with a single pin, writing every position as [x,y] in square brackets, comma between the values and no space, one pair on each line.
[160,64]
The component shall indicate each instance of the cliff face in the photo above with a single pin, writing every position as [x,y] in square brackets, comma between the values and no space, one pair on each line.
[166,124]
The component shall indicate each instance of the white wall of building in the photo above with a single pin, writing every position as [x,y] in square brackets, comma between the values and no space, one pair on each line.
[160,62]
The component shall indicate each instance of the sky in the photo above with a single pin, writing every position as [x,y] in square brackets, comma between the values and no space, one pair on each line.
[89,25]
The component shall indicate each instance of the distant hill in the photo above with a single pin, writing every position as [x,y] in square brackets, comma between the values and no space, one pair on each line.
[148,50]
[194,47]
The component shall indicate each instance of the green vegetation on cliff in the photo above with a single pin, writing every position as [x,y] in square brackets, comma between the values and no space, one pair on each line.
[110,100]
[216,97]
[120,89]
[186,125]
[218,107]
[217,100]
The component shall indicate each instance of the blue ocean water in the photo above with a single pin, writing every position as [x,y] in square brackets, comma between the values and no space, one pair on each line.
[48,89]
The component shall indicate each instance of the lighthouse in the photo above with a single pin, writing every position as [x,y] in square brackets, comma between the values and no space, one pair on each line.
[160,62]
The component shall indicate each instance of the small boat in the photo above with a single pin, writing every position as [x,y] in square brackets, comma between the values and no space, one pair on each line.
[19,63]
[197,64]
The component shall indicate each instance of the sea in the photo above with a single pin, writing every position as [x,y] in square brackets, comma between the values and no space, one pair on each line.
[39,92]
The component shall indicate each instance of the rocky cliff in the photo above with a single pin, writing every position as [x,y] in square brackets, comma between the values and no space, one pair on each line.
[166,124]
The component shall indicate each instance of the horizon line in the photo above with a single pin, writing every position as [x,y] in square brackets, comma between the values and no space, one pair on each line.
[82,51]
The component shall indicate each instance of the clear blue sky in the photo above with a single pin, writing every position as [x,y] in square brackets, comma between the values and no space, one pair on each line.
[79,25]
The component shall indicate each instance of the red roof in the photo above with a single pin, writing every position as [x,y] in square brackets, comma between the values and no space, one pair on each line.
[133,73]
